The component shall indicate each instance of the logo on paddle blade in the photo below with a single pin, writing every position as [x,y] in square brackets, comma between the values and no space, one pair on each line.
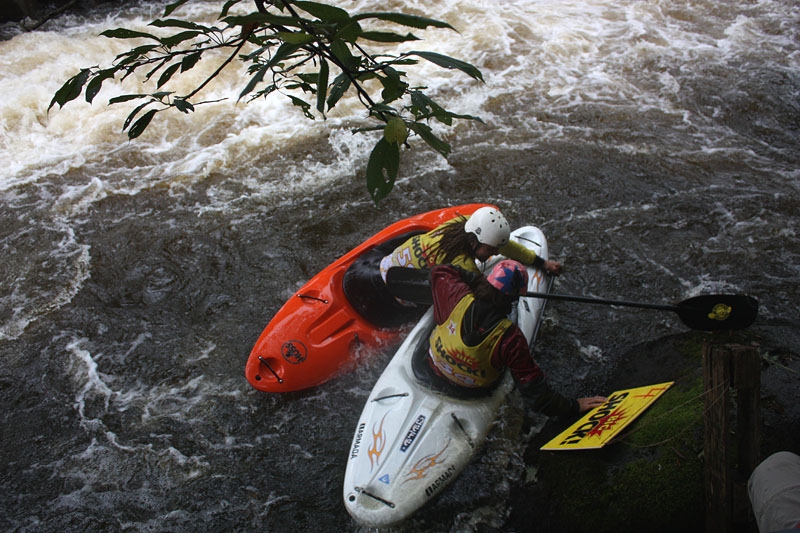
[720,312]
[294,351]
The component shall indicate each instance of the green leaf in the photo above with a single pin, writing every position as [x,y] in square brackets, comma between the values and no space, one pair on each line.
[190,61]
[382,169]
[183,105]
[252,55]
[388,37]
[138,54]
[395,130]
[167,74]
[343,54]
[126,98]
[172,7]
[255,80]
[178,38]
[449,63]
[337,89]
[156,68]
[424,131]
[305,87]
[71,89]
[349,32]
[140,125]
[295,37]
[284,51]
[266,91]
[308,77]
[323,12]
[393,86]
[133,114]
[122,33]
[263,19]
[382,109]
[227,7]
[423,107]
[177,23]
[322,86]
[412,21]
[305,106]
[96,83]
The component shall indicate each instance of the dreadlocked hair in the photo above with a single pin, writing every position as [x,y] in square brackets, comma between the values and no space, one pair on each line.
[454,241]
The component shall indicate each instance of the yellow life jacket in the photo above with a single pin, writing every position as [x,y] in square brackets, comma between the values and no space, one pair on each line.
[469,366]
[422,251]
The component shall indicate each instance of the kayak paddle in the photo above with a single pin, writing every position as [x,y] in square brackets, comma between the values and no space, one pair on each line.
[709,312]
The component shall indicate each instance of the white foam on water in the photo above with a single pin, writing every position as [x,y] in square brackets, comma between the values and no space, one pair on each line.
[37,281]
[101,472]
[706,284]
[87,373]
[558,56]
[591,353]
[99,394]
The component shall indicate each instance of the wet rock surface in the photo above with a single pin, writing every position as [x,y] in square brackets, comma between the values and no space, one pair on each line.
[651,476]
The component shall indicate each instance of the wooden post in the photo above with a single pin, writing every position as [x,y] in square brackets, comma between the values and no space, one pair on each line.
[726,367]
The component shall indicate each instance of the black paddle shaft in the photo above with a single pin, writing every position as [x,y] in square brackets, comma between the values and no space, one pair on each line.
[709,312]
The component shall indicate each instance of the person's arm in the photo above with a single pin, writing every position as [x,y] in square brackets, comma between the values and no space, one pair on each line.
[526,256]
[548,401]
[513,352]
[518,252]
[448,289]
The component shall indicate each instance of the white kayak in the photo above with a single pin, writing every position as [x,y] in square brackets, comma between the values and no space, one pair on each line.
[415,435]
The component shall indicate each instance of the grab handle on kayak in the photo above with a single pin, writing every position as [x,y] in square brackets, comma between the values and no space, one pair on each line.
[309,297]
[397,395]
[378,498]
[266,364]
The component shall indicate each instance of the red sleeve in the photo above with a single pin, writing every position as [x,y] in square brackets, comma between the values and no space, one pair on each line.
[448,289]
[514,353]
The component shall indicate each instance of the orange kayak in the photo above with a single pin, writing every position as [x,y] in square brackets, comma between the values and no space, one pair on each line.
[345,307]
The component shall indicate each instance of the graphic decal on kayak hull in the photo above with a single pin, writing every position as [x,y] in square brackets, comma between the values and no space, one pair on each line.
[294,351]
[420,469]
[378,442]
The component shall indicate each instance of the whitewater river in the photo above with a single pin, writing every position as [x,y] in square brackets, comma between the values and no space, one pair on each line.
[657,144]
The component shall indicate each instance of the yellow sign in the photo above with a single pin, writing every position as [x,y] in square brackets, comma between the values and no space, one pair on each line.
[597,427]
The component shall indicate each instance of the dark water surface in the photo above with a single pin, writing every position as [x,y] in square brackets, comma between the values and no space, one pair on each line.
[656,144]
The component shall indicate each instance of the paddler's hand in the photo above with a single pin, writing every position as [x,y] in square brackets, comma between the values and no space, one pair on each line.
[584,404]
[553,268]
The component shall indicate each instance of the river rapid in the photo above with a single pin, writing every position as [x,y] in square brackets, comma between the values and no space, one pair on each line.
[656,143]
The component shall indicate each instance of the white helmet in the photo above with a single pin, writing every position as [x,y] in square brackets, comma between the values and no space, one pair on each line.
[489,226]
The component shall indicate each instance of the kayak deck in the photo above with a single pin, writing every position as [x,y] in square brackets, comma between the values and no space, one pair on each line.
[315,334]
[414,435]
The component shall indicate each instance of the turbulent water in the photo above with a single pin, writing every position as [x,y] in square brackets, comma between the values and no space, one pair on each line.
[655,142]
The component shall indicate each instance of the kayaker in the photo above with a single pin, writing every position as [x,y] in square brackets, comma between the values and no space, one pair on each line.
[473,340]
[462,240]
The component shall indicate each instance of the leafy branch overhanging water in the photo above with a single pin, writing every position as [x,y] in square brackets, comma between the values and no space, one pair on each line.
[311,52]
